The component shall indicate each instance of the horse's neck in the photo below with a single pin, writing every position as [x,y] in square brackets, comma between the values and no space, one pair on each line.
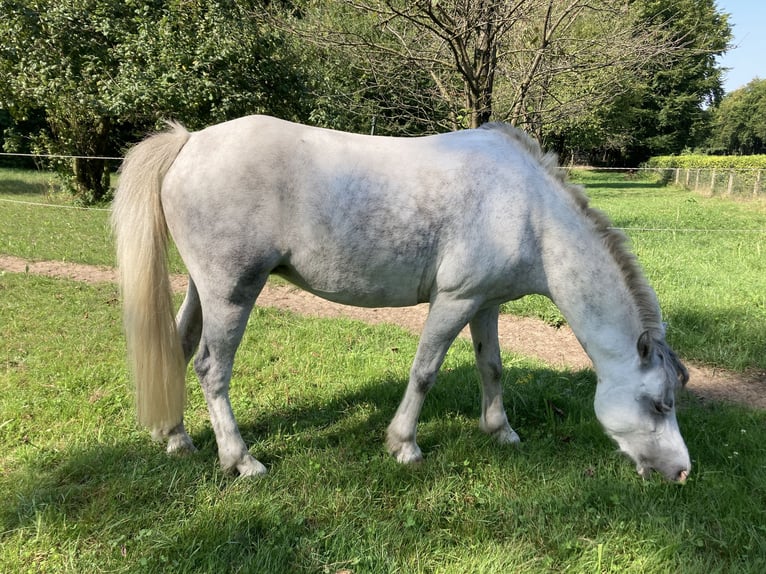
[588,286]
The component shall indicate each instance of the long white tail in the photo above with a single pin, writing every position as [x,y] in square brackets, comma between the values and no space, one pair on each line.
[138,221]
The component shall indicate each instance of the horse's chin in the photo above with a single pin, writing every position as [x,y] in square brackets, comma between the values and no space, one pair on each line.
[646,472]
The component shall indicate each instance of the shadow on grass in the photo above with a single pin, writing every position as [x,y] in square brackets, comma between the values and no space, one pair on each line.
[330,454]
[21,187]
[626,185]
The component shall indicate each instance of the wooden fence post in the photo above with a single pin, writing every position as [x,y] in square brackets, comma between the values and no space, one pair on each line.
[731,182]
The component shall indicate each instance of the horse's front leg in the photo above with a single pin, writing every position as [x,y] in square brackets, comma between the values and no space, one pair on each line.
[486,346]
[446,318]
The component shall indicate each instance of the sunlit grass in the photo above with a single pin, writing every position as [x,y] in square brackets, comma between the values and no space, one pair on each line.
[84,490]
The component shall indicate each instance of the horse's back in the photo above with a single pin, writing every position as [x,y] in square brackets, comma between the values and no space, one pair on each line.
[358,219]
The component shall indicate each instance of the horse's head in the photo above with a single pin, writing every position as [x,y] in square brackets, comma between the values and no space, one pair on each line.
[637,409]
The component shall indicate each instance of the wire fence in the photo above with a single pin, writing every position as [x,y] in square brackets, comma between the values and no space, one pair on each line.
[739,182]
[58,156]
[727,182]
[743,183]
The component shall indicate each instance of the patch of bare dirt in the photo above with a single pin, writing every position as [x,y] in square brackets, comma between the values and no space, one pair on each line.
[557,347]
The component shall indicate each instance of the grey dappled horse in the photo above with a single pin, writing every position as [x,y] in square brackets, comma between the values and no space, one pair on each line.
[463,221]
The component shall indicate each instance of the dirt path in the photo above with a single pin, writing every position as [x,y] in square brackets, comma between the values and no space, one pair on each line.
[529,337]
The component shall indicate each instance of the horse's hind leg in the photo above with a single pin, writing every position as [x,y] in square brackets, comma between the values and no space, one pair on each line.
[225,319]
[486,346]
[189,324]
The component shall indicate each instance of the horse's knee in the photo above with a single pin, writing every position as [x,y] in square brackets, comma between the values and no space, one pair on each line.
[422,380]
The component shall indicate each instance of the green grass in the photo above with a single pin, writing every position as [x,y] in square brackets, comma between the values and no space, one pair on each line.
[710,275]
[83,490]
[42,224]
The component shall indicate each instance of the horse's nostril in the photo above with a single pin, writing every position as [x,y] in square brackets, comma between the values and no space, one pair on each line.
[682,476]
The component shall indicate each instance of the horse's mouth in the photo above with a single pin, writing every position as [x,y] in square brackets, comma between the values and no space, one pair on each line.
[679,477]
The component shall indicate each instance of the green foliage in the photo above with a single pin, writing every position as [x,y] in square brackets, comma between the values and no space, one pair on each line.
[591,79]
[103,71]
[742,176]
[662,107]
[708,161]
[739,122]
[582,76]
[202,62]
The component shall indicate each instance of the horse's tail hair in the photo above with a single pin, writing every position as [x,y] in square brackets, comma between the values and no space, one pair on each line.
[141,235]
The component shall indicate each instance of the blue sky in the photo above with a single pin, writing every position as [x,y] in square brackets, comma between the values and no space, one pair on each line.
[747,59]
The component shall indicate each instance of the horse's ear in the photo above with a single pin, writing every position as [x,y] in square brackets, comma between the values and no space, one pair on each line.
[645,347]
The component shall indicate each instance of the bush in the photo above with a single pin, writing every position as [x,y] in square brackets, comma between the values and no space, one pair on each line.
[732,174]
[697,161]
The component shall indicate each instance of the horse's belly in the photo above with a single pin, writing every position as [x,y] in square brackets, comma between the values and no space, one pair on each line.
[389,289]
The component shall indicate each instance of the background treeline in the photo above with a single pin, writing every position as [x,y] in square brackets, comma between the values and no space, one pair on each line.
[601,81]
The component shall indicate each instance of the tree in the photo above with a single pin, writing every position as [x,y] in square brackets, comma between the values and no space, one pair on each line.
[529,62]
[52,59]
[98,68]
[739,122]
[666,111]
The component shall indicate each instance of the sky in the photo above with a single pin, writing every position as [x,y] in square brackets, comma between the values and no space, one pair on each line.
[747,58]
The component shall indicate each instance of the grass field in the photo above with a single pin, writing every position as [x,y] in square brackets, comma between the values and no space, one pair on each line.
[84,490]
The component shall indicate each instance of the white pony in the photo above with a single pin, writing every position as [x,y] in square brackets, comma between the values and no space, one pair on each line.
[464,221]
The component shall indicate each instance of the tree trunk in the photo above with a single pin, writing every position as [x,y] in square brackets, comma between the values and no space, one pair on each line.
[484,66]
[91,176]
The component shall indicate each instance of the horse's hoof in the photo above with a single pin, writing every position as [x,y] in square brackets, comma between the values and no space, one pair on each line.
[180,445]
[408,453]
[251,467]
[506,435]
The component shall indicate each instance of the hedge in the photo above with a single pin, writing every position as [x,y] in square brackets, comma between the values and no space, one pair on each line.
[741,175]
[708,161]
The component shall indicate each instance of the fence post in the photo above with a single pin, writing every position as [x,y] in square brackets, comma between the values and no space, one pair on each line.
[731,182]
[678,175]
[712,181]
